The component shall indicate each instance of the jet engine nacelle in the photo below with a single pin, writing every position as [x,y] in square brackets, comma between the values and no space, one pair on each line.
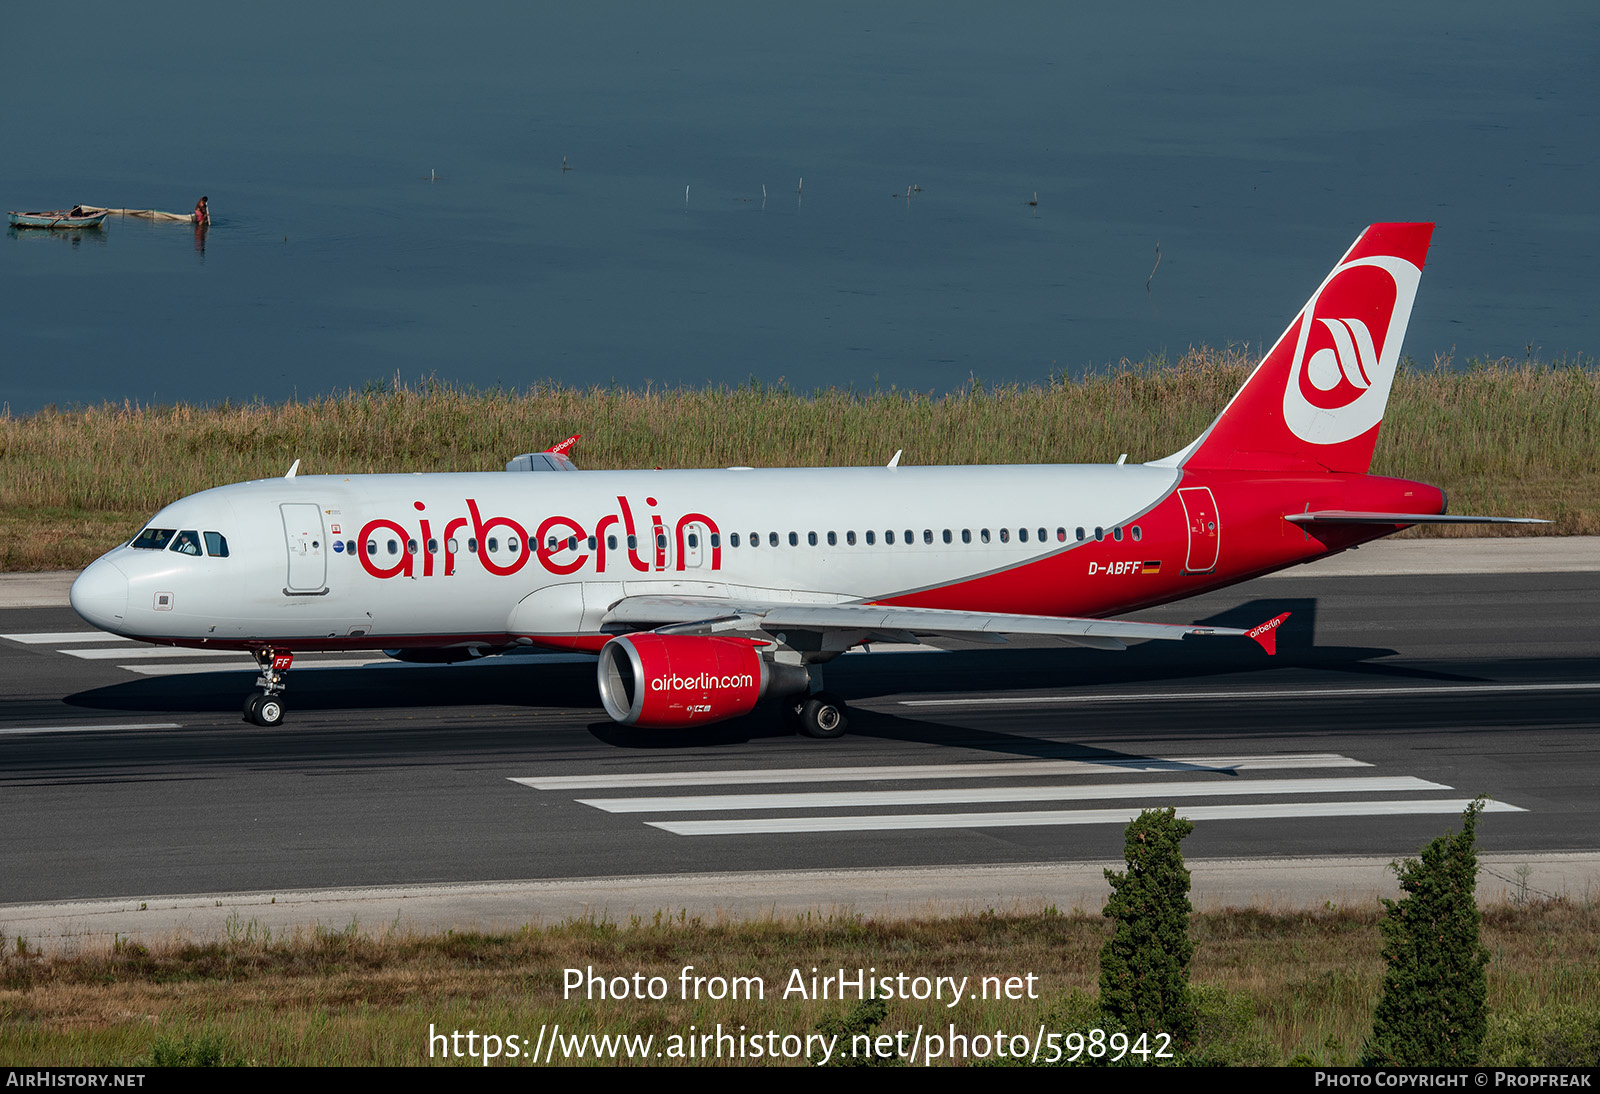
[662,681]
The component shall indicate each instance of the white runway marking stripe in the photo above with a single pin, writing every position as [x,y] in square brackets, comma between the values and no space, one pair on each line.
[101,728]
[151,652]
[1055,818]
[366,659]
[250,666]
[995,770]
[1233,696]
[969,795]
[42,638]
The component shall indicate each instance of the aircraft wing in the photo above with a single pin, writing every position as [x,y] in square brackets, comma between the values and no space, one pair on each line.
[879,623]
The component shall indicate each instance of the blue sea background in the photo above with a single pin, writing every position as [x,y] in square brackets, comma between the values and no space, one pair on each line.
[389,199]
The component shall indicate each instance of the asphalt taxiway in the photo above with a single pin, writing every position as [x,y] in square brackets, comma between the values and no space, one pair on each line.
[1412,677]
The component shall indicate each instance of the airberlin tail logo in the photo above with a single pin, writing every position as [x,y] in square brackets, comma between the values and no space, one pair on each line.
[1347,343]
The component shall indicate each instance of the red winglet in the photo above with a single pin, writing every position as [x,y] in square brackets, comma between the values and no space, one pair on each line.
[1266,635]
[565,446]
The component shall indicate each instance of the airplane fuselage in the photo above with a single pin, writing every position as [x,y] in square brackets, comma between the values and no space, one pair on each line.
[427,561]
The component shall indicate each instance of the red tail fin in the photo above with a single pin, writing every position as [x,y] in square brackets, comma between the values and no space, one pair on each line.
[1317,398]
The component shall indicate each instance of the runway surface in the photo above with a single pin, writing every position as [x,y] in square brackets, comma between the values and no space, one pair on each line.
[125,770]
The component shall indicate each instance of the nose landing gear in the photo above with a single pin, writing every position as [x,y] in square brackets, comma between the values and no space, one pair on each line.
[263,705]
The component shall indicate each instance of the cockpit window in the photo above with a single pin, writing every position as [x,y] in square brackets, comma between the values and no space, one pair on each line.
[153,539]
[187,543]
[217,545]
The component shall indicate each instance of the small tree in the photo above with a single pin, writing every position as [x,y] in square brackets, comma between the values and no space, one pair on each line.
[1144,966]
[1433,1009]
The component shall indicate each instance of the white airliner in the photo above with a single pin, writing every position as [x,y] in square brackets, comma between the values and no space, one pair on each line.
[704,591]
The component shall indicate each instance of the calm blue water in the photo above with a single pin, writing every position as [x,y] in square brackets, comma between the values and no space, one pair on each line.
[1252,145]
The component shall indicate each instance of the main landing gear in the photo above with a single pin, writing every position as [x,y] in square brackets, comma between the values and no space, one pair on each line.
[264,706]
[820,714]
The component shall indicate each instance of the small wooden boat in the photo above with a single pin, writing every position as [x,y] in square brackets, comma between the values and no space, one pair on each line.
[58,218]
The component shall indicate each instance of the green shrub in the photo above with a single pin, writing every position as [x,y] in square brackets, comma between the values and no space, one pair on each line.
[1554,1036]
[1144,966]
[1433,1008]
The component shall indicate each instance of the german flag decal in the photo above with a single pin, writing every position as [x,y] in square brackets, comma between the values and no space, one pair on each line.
[1148,567]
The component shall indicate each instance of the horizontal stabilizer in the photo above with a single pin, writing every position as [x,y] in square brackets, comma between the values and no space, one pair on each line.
[1348,516]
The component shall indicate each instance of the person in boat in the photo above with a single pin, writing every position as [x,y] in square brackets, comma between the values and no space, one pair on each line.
[77,211]
[202,215]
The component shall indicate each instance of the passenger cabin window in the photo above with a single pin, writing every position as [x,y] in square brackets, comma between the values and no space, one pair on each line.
[733,539]
[1080,535]
[794,539]
[187,543]
[1005,535]
[394,548]
[966,535]
[1022,535]
[850,539]
[872,538]
[983,534]
[833,540]
[1137,535]
[153,539]
[772,539]
[1061,535]
[888,537]
[217,545]
[1116,534]
[927,535]
[947,536]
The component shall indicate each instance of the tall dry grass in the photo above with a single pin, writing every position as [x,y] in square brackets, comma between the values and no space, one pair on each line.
[1514,438]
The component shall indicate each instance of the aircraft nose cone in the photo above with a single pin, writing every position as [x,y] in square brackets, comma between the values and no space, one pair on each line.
[100,595]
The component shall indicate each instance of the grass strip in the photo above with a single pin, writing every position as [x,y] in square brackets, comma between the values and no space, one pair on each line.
[1519,438]
[1273,988]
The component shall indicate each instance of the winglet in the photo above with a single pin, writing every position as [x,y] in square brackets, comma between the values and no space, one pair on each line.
[565,446]
[292,469]
[1266,635]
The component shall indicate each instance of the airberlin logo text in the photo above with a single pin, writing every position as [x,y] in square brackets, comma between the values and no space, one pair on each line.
[704,681]
[561,545]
